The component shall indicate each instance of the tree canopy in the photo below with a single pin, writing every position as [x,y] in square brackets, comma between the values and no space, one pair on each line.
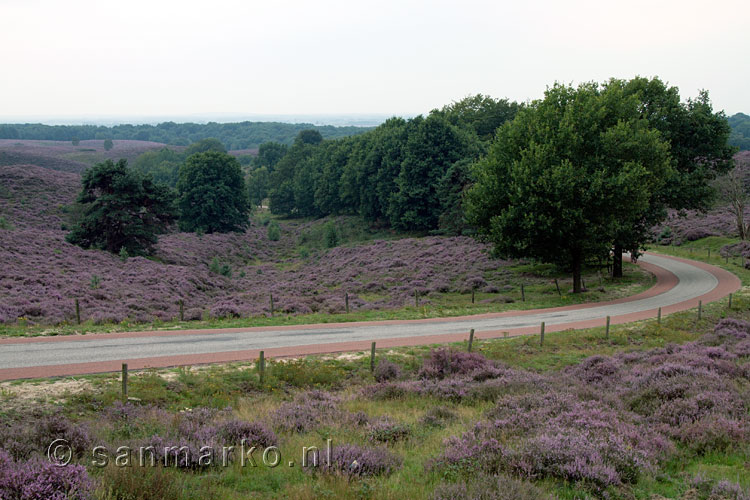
[212,194]
[121,208]
[566,175]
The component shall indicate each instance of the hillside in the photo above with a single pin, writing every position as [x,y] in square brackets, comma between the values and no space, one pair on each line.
[43,273]
[66,157]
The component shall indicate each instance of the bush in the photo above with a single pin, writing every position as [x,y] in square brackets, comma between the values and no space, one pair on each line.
[386,371]
[332,235]
[441,363]
[39,479]
[352,460]
[274,231]
[386,430]
[253,433]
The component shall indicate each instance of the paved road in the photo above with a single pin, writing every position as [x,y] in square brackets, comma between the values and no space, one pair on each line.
[680,284]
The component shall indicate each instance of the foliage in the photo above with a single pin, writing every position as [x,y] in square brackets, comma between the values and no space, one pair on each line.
[740,135]
[108,144]
[163,165]
[212,191]
[357,461]
[121,209]
[39,479]
[205,145]
[386,370]
[274,231]
[480,113]
[567,176]
[242,135]
[258,185]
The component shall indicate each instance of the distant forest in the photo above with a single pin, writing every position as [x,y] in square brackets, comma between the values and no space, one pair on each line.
[740,137]
[243,135]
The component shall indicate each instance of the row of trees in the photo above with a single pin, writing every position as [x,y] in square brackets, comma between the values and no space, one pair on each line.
[243,135]
[586,171]
[408,174]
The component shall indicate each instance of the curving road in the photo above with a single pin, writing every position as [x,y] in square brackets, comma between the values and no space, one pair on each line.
[680,285]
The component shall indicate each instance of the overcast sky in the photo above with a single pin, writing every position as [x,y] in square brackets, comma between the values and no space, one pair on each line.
[85,58]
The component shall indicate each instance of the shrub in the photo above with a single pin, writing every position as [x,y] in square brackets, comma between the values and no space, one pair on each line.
[254,433]
[386,370]
[332,235]
[274,231]
[385,430]
[306,412]
[714,433]
[352,460]
[225,310]
[38,479]
[441,363]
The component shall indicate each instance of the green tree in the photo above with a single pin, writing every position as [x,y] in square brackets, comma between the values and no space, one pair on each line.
[274,231]
[269,154]
[108,144]
[213,197]
[258,183]
[557,183]
[76,141]
[699,150]
[206,145]
[122,210]
[163,165]
[480,113]
[431,147]
[309,136]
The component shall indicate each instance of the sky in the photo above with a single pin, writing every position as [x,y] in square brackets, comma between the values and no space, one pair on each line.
[81,59]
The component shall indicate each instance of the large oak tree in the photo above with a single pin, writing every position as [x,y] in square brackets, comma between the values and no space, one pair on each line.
[568,173]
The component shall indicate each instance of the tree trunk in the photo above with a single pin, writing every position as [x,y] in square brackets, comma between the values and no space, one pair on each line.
[617,261]
[577,264]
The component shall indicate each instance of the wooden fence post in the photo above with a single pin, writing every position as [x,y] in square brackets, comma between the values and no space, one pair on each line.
[124,382]
[346,302]
[557,285]
[372,357]
[700,309]
[658,317]
[261,366]
[472,295]
[272,305]
[182,310]
[78,312]
[541,338]
[523,294]
[471,339]
[730,301]
[606,333]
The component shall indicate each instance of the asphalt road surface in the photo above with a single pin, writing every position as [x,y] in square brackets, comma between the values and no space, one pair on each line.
[680,284]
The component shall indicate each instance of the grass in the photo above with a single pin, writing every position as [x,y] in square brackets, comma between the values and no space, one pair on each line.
[539,292]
